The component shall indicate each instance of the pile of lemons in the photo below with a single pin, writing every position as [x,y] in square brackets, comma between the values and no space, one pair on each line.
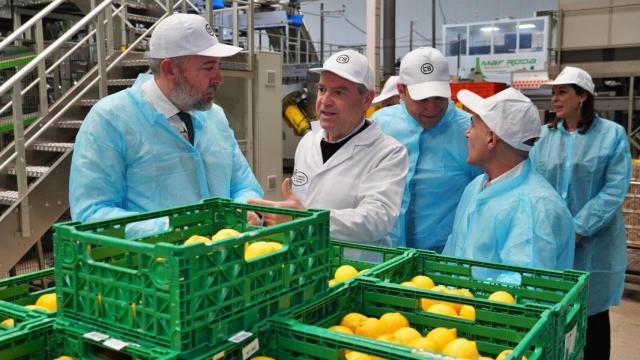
[252,250]
[467,312]
[395,328]
[46,302]
[345,272]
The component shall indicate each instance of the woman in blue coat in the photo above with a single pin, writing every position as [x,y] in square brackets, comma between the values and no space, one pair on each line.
[586,159]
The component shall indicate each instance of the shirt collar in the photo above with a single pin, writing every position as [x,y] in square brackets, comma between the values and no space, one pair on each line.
[512,173]
[324,133]
[158,100]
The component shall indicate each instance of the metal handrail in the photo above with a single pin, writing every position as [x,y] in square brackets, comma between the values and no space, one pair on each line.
[41,14]
[59,61]
[53,47]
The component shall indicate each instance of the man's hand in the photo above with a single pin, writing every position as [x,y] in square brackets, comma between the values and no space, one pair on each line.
[253,218]
[578,238]
[290,201]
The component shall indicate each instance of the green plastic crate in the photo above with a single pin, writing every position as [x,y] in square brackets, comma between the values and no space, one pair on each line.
[565,292]
[362,256]
[69,339]
[188,297]
[26,289]
[27,341]
[303,332]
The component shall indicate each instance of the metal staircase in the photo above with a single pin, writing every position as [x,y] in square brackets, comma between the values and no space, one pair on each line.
[34,168]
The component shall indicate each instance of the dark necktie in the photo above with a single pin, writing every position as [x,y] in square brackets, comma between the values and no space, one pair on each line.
[186,119]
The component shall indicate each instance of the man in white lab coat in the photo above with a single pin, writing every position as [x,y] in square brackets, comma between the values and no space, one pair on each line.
[346,164]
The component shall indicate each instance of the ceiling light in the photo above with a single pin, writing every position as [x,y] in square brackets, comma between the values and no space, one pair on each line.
[527,26]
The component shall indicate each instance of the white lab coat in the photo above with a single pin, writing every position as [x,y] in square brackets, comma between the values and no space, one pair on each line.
[362,183]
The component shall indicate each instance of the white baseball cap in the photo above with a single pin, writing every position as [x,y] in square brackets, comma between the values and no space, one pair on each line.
[389,89]
[511,115]
[186,34]
[425,71]
[574,75]
[351,65]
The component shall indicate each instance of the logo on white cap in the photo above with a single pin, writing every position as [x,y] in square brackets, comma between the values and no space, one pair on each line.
[426,68]
[342,59]
[209,30]
[350,65]
[511,115]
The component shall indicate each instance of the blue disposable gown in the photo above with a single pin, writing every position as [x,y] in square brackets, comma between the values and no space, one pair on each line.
[591,172]
[438,173]
[519,220]
[128,159]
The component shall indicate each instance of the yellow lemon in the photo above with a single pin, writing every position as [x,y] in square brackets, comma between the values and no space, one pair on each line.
[394,321]
[332,282]
[442,309]
[502,296]
[465,292]
[261,358]
[224,233]
[257,248]
[35,307]
[353,320]
[275,245]
[406,334]
[389,338]
[425,303]
[423,282]
[408,284]
[442,336]
[485,358]
[8,323]
[423,343]
[371,328]
[194,239]
[345,272]
[461,348]
[354,355]
[63,357]
[341,328]
[47,301]
[503,355]
[467,312]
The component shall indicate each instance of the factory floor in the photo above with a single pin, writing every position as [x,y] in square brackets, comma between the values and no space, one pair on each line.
[625,325]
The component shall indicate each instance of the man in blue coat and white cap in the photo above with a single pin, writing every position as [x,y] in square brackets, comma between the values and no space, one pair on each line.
[162,142]
[432,129]
[510,214]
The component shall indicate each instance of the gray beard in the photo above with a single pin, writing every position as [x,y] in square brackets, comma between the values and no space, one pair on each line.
[183,97]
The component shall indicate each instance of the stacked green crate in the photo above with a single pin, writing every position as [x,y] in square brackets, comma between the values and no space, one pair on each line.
[80,342]
[27,288]
[565,292]
[189,298]
[27,338]
[303,333]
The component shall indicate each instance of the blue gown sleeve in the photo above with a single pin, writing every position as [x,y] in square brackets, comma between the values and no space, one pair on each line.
[599,211]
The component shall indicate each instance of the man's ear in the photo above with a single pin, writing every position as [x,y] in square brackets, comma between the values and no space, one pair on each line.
[492,140]
[169,69]
[368,98]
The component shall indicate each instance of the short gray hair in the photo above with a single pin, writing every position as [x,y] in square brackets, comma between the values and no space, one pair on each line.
[154,63]
[362,89]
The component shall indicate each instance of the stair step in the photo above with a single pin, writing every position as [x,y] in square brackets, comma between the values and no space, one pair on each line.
[120,82]
[69,124]
[53,146]
[135,63]
[142,18]
[32,171]
[88,102]
[8,197]
[133,4]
